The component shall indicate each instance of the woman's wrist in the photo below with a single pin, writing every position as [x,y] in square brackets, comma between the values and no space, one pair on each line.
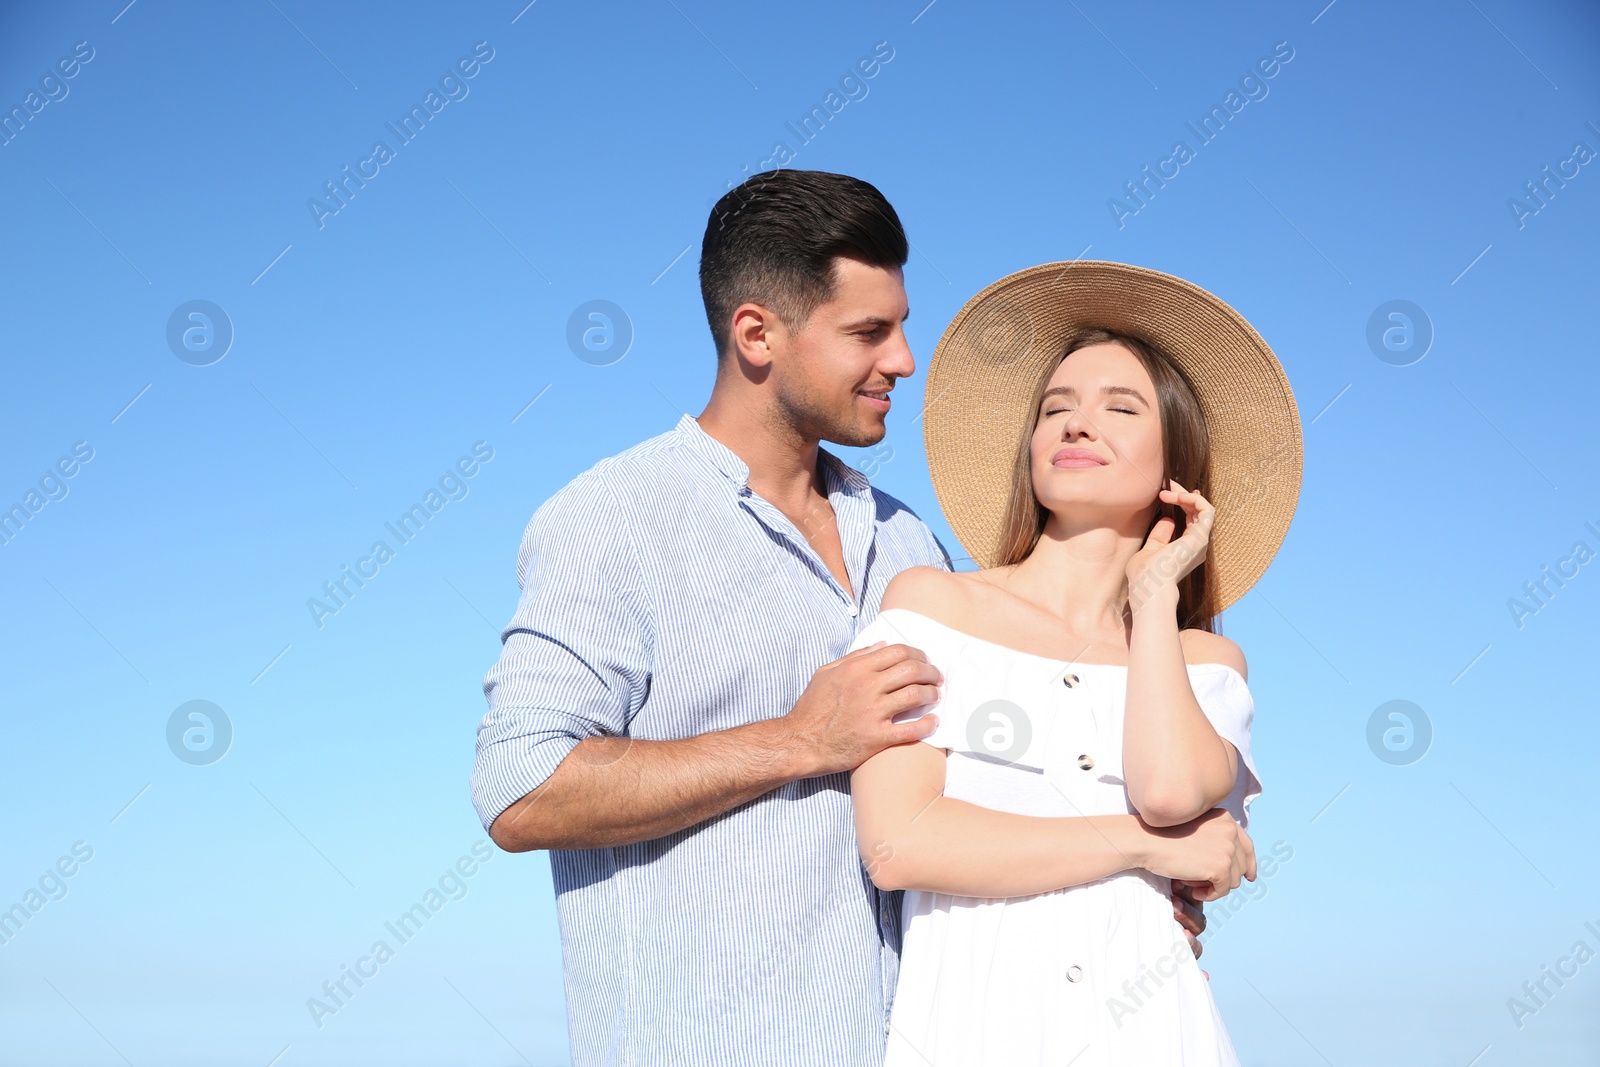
[1134,841]
[1148,846]
[1153,600]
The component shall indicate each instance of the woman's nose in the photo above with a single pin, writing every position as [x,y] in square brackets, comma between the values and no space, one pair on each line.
[1076,424]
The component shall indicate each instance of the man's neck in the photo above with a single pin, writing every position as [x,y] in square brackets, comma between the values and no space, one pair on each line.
[782,461]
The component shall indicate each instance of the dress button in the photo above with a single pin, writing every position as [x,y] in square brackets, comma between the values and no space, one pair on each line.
[1085,763]
[1074,973]
[1070,681]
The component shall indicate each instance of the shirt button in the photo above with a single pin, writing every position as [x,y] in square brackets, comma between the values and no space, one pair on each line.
[1070,681]
[1074,973]
[1085,763]
[853,611]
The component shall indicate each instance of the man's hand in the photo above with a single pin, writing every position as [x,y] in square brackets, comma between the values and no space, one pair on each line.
[845,715]
[1190,914]
[612,791]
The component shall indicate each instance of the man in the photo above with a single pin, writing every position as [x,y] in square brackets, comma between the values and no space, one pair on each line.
[673,715]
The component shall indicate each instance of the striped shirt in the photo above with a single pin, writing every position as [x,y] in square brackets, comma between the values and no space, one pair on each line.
[662,598]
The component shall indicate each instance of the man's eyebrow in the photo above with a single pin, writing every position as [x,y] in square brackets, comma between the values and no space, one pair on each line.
[1105,390]
[874,320]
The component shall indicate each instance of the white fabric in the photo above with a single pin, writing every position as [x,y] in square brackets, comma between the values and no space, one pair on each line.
[991,981]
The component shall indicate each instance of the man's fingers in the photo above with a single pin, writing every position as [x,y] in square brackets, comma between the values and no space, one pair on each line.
[1181,912]
[911,696]
[858,653]
[882,659]
[881,650]
[1195,946]
[915,730]
[1191,914]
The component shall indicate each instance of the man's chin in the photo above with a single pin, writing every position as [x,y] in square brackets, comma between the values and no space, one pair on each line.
[857,435]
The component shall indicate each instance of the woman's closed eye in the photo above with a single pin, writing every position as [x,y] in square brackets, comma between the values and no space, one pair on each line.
[1059,411]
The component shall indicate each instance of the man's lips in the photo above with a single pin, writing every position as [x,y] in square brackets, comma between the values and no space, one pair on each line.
[1076,457]
[878,398]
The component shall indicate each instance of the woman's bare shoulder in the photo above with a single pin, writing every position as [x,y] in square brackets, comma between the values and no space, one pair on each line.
[939,594]
[1203,646]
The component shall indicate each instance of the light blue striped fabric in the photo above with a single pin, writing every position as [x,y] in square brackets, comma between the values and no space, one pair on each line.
[662,599]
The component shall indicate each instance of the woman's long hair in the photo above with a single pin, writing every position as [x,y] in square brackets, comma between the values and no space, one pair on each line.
[1186,456]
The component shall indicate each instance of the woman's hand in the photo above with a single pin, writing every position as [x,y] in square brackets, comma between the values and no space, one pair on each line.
[1209,854]
[1162,562]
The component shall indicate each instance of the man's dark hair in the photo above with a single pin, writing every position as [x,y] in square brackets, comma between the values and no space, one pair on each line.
[772,241]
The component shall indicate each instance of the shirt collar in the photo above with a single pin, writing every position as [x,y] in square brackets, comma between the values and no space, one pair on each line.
[713,451]
[725,460]
[851,480]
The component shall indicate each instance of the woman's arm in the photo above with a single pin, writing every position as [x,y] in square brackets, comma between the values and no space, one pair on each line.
[911,836]
[1174,763]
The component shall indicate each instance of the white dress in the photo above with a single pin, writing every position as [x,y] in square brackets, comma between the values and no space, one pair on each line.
[1097,975]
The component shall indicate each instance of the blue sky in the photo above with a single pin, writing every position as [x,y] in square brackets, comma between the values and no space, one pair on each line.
[376,347]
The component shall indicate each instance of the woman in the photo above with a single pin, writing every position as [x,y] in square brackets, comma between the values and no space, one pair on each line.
[1093,741]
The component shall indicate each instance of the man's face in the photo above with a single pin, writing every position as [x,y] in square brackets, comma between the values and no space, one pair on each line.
[833,376]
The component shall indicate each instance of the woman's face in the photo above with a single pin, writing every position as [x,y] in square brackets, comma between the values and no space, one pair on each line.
[1097,448]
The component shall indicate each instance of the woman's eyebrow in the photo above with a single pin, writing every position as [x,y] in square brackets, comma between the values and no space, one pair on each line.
[1105,390]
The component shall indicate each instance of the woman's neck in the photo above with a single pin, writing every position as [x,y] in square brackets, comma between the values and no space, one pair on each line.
[1079,576]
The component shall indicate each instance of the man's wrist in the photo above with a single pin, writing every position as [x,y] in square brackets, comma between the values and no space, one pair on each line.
[783,755]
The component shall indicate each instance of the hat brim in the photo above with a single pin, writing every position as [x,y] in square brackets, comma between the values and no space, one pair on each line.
[987,366]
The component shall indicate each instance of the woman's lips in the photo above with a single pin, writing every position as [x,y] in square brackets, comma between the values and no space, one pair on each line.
[1076,457]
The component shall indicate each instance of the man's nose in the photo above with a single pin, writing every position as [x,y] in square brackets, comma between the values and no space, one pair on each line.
[899,361]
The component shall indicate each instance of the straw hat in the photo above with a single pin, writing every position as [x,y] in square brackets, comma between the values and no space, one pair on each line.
[988,364]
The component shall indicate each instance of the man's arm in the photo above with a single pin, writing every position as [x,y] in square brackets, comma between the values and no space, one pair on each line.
[611,791]
[555,767]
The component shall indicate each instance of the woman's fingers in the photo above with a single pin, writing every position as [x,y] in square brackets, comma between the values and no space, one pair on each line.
[1199,515]
[1196,507]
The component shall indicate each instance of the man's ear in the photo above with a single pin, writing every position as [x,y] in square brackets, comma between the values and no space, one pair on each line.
[757,333]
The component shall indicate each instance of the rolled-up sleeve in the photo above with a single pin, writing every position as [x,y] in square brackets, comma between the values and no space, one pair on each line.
[575,660]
